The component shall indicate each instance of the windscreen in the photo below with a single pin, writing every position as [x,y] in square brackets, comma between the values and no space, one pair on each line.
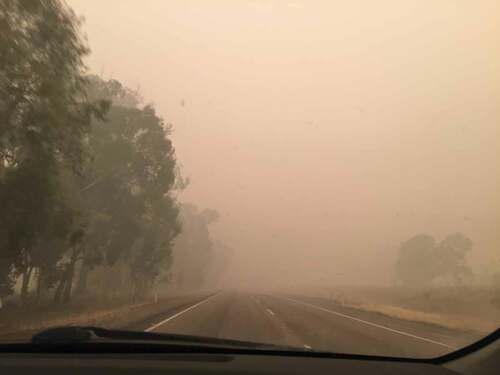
[315,174]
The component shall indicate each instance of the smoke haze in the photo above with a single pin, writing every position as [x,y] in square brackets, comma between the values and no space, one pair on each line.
[324,133]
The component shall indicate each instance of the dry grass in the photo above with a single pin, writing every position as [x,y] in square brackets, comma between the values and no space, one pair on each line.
[19,320]
[471,308]
[448,321]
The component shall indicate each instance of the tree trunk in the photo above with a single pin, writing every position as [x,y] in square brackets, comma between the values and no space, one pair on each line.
[81,286]
[134,292]
[68,283]
[25,284]
[39,285]
[58,291]
[69,274]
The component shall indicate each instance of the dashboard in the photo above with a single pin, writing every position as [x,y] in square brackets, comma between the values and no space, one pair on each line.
[205,364]
[481,358]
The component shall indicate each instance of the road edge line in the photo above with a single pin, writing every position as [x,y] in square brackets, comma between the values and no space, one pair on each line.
[154,326]
[370,323]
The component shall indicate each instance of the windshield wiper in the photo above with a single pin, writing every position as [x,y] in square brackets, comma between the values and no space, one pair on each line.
[85,334]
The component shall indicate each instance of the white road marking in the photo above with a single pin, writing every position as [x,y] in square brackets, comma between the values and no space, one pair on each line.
[371,324]
[154,326]
[307,346]
[270,312]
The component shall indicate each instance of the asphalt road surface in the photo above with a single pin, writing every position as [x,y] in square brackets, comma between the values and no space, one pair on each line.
[305,322]
[316,323]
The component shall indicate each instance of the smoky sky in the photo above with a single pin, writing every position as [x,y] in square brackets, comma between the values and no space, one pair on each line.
[324,132]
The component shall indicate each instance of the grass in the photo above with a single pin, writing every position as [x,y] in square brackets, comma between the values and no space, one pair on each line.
[472,308]
[16,319]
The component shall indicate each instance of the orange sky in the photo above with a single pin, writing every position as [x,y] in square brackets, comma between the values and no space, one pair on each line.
[324,132]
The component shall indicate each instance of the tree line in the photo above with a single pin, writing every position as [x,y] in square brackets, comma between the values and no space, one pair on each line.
[88,173]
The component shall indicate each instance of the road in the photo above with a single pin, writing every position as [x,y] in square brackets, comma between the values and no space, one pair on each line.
[305,322]
[316,323]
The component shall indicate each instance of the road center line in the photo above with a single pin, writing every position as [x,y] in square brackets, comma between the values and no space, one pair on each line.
[370,323]
[270,312]
[154,326]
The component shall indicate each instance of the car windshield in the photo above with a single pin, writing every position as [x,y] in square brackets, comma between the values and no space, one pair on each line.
[316,175]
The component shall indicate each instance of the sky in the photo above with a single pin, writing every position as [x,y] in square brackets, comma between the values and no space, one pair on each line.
[324,132]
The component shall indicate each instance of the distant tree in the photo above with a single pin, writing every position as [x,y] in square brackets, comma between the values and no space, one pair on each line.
[451,258]
[415,265]
[421,260]
[193,247]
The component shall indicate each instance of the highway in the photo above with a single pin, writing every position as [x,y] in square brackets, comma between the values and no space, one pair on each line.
[305,322]
[314,323]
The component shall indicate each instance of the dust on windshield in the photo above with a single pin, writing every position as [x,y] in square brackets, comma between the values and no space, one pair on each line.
[321,175]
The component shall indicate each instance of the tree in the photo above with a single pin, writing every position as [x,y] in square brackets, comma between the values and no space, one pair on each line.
[127,188]
[422,261]
[43,102]
[451,258]
[44,118]
[33,211]
[77,188]
[193,247]
[152,257]
[415,265]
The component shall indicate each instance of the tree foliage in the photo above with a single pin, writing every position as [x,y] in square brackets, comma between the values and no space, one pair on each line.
[125,194]
[45,116]
[193,248]
[422,260]
[86,172]
[128,186]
